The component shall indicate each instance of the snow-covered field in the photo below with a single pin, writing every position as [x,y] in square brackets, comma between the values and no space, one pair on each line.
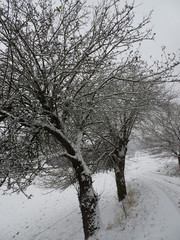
[151,210]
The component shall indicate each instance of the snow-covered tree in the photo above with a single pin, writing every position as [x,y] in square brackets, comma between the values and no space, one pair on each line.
[55,64]
[161,131]
[128,104]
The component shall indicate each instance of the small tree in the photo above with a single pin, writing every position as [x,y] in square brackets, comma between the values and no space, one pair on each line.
[161,132]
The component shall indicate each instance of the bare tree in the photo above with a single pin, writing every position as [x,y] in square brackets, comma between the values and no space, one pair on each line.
[126,105]
[55,64]
[161,131]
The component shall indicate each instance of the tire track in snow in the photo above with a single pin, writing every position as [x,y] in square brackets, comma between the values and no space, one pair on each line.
[167,211]
[167,189]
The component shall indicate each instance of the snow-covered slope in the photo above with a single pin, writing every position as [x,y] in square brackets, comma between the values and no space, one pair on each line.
[151,210]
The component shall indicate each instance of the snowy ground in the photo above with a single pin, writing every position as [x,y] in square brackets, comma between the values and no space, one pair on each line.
[151,210]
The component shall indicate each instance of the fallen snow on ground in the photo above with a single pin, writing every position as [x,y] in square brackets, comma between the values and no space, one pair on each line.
[151,210]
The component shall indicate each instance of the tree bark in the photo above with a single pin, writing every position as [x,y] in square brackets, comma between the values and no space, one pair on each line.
[120,178]
[88,201]
[119,156]
[179,160]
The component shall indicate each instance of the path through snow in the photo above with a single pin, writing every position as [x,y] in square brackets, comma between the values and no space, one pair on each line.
[162,220]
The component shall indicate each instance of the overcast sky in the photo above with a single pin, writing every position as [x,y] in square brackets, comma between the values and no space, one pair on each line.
[166,22]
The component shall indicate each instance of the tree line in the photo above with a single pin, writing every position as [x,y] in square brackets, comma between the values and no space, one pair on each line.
[73,91]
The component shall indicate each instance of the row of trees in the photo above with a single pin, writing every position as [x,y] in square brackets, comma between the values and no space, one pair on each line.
[72,91]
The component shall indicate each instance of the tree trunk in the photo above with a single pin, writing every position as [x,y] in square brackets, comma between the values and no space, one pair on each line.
[179,160]
[88,200]
[120,178]
[119,156]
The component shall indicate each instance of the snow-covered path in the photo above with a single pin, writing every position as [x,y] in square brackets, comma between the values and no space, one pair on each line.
[165,223]
[152,208]
[162,202]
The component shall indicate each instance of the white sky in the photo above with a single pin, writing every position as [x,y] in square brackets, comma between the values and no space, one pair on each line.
[166,22]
